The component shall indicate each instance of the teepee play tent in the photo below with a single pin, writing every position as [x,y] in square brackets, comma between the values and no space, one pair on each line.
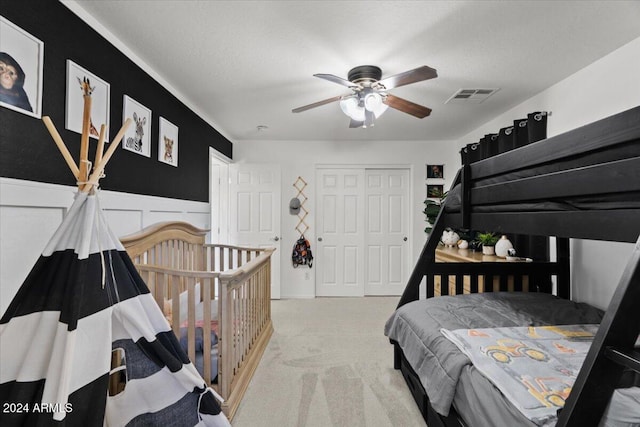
[83,343]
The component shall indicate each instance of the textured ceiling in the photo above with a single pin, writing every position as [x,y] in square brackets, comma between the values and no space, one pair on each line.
[244,64]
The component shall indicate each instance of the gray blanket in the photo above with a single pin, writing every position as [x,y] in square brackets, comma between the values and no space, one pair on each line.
[438,362]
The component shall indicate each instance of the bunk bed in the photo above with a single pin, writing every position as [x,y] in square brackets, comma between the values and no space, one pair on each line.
[582,184]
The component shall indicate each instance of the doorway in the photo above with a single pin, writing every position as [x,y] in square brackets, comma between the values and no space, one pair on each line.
[245,208]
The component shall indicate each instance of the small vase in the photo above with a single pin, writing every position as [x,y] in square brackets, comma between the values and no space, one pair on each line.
[488,250]
[502,247]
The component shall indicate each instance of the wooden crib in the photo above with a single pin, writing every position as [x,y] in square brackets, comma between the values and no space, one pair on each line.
[220,288]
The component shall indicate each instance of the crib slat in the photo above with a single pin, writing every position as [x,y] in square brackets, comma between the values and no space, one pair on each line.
[191,317]
[175,303]
[205,286]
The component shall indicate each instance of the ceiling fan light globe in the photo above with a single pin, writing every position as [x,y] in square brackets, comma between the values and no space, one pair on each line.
[348,105]
[372,101]
[358,114]
[380,110]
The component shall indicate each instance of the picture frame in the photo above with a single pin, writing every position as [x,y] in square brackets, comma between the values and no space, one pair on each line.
[22,56]
[168,142]
[435,191]
[138,137]
[100,100]
[435,171]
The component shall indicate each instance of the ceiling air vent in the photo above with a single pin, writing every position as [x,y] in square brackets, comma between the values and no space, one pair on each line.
[470,96]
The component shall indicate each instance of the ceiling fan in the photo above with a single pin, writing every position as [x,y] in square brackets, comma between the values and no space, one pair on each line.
[369,97]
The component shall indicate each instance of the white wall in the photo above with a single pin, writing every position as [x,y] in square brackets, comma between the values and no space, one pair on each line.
[300,159]
[606,87]
[30,212]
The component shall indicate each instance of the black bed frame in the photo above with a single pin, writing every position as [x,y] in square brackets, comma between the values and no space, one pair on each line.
[598,161]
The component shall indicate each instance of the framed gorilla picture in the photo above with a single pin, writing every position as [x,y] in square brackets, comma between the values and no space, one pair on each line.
[168,142]
[21,65]
[138,135]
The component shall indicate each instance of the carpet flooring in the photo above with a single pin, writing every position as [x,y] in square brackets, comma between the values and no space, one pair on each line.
[328,363]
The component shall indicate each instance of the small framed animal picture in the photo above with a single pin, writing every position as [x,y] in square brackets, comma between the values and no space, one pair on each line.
[138,135]
[435,191]
[21,64]
[168,143]
[435,171]
[81,82]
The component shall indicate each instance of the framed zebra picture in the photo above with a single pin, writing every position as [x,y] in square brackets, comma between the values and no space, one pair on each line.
[138,136]
[168,143]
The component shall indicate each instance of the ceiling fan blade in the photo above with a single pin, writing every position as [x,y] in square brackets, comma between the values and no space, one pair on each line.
[336,79]
[355,124]
[316,104]
[408,107]
[408,77]
[369,118]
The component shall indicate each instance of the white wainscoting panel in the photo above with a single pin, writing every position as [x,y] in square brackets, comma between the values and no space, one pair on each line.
[123,222]
[30,212]
[21,227]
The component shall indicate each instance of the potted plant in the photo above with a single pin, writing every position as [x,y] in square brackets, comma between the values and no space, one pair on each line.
[488,241]
[431,211]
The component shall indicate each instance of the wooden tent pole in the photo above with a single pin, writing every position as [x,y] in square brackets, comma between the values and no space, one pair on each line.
[84,140]
[100,149]
[61,146]
[97,170]
[86,123]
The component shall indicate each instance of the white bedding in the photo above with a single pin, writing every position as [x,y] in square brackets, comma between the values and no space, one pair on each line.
[184,301]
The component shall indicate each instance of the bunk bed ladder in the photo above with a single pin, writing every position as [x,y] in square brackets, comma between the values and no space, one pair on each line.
[611,353]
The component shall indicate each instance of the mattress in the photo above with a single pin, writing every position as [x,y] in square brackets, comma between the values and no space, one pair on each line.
[493,410]
[625,200]
[450,379]
[438,362]
[629,200]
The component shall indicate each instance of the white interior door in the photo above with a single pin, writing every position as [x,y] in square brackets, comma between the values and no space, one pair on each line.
[340,232]
[254,211]
[387,259]
[219,199]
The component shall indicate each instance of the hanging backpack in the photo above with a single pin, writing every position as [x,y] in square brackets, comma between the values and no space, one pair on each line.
[302,253]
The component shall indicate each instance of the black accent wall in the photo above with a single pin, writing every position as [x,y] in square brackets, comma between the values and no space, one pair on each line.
[27,151]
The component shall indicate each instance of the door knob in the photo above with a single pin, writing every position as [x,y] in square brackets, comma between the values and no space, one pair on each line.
[319,239]
[405,238]
[276,238]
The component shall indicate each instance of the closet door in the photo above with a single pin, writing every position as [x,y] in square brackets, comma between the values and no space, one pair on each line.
[387,254]
[340,232]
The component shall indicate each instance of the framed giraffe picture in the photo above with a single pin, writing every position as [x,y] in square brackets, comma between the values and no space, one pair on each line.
[138,136]
[79,82]
[168,142]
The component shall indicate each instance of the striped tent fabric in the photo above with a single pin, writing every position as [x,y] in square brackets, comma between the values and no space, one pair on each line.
[83,305]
